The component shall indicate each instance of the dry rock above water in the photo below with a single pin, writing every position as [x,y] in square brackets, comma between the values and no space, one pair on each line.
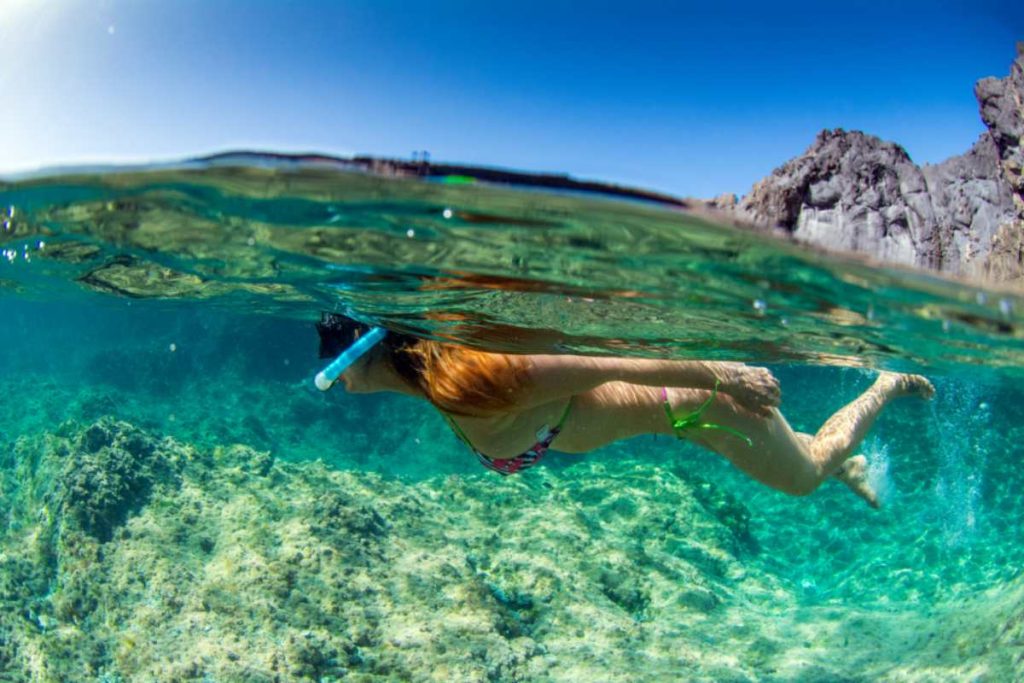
[855,192]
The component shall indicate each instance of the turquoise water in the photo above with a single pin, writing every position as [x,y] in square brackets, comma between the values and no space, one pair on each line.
[179,302]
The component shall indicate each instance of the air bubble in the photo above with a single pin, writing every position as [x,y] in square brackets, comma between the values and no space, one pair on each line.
[447,213]
[173,347]
[410,233]
[251,242]
[760,306]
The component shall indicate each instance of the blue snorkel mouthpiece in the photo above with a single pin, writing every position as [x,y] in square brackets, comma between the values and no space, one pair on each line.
[329,375]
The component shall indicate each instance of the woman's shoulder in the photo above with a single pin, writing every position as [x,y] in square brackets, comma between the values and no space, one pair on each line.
[548,379]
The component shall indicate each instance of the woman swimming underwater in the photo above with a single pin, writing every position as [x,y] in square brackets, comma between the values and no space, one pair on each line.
[510,409]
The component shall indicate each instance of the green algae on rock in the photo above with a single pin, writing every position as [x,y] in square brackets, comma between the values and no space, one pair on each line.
[132,557]
[109,473]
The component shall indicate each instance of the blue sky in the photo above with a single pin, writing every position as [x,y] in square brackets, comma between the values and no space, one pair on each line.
[681,97]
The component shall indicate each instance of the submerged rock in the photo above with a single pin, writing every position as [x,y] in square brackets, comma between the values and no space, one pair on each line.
[159,562]
[109,474]
[854,192]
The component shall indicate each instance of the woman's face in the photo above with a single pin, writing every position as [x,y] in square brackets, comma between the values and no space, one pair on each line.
[360,377]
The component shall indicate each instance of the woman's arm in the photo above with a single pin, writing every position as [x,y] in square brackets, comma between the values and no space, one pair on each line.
[549,378]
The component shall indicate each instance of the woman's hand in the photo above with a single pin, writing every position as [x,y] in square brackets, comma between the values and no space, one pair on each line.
[755,389]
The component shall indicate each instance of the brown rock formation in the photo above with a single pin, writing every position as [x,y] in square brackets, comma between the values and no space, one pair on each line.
[1002,110]
[854,192]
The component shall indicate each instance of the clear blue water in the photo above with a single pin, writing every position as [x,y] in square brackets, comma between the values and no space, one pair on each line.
[181,300]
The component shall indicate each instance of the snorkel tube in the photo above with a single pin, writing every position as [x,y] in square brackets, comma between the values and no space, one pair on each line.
[329,375]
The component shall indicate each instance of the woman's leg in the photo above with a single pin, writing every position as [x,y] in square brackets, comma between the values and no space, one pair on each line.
[853,472]
[835,440]
[798,463]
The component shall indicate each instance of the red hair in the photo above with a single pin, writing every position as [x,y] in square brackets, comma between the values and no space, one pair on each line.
[465,381]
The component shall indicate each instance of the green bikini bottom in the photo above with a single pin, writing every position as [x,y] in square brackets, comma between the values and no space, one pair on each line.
[694,420]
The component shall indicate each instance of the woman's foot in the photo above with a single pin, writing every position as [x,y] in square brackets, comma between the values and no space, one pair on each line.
[905,385]
[854,473]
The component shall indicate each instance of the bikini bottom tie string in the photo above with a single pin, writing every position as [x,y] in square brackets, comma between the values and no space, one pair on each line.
[694,420]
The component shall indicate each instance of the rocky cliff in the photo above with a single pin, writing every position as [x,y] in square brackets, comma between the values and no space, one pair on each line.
[854,192]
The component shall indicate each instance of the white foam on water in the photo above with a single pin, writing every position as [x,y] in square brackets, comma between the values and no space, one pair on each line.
[879,476]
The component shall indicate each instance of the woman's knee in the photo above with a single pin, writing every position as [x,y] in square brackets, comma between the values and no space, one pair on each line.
[802,483]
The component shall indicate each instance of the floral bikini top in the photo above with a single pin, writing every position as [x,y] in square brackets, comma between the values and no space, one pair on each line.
[526,459]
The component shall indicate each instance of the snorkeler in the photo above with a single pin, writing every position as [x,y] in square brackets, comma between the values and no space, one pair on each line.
[503,406]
